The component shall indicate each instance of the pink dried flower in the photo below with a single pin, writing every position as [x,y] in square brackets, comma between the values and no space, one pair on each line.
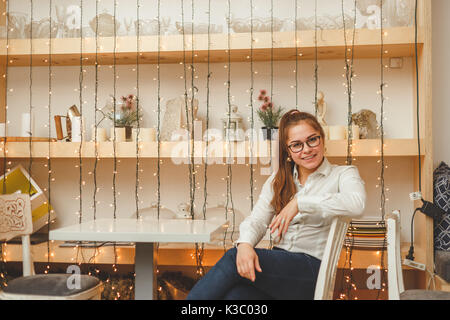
[266,99]
[264,107]
[263,92]
[270,105]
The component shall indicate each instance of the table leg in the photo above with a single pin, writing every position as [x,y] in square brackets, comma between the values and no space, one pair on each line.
[145,280]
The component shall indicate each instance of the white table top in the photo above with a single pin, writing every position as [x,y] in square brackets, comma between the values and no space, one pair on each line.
[133,230]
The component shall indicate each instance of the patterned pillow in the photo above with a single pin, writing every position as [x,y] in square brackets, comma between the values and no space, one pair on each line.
[441,182]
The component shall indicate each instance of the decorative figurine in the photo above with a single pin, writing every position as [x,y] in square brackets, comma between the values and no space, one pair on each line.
[366,120]
[321,108]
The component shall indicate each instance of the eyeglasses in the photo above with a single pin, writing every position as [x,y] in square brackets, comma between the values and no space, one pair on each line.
[312,142]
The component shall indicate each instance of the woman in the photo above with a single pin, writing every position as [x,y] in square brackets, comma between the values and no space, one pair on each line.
[304,195]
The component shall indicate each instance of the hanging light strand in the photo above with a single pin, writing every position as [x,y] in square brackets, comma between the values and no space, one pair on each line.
[81,80]
[159,112]
[349,74]
[30,133]
[95,112]
[348,284]
[193,89]
[252,119]
[316,56]
[229,201]
[296,53]
[201,249]
[3,266]
[114,112]
[114,266]
[49,162]
[186,107]
[138,98]
[382,185]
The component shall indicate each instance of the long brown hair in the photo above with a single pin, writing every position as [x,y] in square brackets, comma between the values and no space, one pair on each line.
[283,183]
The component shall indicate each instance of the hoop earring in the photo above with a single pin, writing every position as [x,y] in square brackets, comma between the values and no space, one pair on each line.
[289,159]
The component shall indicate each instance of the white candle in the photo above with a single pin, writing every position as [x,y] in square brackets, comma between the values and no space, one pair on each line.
[198,130]
[337,132]
[326,130]
[2,130]
[355,132]
[77,131]
[25,129]
[120,135]
[101,134]
[145,134]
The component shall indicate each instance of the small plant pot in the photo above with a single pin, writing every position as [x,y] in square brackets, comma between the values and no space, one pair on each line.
[269,133]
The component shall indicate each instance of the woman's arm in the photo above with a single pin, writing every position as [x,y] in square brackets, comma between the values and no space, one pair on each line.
[254,227]
[349,201]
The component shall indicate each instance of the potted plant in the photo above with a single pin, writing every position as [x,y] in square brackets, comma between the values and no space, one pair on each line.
[268,115]
[126,115]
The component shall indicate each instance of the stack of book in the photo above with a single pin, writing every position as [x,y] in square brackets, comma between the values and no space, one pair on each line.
[368,234]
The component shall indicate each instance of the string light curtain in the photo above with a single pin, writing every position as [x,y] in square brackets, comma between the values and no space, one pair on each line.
[229,206]
[49,162]
[3,265]
[347,274]
[382,160]
[252,114]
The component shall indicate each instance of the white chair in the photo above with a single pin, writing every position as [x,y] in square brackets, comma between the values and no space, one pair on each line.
[16,220]
[328,267]
[396,289]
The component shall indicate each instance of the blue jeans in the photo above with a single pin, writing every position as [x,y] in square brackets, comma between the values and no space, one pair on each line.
[285,276]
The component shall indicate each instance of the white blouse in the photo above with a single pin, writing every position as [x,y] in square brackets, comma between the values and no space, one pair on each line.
[329,191]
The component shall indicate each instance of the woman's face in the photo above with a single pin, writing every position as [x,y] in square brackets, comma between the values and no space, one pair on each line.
[309,158]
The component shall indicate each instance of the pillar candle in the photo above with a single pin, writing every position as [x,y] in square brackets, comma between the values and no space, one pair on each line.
[120,135]
[337,132]
[198,130]
[77,130]
[2,129]
[355,132]
[145,134]
[326,130]
[101,134]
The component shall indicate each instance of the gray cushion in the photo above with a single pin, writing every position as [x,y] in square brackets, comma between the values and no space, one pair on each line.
[442,262]
[424,295]
[49,285]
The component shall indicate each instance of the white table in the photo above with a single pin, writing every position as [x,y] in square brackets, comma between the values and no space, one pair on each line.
[144,234]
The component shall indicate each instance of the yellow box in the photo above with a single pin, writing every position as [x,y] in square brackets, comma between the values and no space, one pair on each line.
[18,181]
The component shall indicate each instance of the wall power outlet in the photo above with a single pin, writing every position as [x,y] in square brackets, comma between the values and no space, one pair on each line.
[414,264]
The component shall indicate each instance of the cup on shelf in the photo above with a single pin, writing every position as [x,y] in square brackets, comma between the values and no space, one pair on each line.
[145,134]
[101,134]
[120,134]
[337,132]
[326,131]
[355,132]
[77,130]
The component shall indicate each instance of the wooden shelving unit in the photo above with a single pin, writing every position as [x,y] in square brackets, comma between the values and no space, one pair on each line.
[398,42]
[216,150]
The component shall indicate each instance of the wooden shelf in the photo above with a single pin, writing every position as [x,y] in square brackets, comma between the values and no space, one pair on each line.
[177,254]
[216,150]
[398,42]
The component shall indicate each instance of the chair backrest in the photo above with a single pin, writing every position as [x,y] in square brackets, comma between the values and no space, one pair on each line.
[395,275]
[16,220]
[328,267]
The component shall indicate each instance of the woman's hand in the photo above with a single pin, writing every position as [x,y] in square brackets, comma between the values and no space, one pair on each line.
[247,261]
[282,220]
